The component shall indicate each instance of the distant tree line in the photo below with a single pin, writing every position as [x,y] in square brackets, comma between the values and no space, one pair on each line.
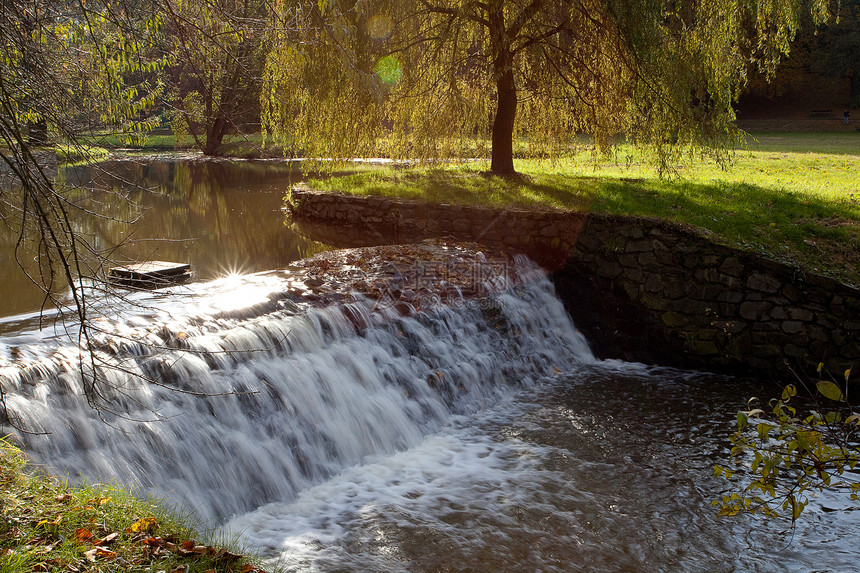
[826,53]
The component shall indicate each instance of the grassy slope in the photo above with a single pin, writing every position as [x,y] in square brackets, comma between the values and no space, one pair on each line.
[794,197]
[46,525]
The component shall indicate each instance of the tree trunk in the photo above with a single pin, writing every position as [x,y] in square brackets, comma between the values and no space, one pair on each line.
[214,136]
[854,96]
[503,125]
[502,162]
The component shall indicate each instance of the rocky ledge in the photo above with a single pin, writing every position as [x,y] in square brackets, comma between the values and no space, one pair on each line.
[640,289]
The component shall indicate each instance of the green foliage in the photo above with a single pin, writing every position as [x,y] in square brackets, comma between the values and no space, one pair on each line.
[435,76]
[792,448]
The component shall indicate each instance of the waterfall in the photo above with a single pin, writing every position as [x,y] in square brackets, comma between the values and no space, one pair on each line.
[228,395]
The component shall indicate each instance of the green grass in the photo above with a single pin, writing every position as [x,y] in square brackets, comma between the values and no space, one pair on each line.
[46,525]
[792,196]
[247,146]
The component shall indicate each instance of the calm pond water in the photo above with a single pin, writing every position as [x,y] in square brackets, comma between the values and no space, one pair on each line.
[220,216]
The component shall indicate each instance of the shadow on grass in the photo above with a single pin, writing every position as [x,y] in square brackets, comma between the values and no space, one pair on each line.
[804,230]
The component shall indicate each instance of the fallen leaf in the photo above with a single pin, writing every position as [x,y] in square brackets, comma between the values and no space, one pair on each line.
[224,556]
[107,540]
[83,534]
[99,553]
[145,525]
[99,501]
[63,498]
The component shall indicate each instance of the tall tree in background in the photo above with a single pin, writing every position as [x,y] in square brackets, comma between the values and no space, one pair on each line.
[665,74]
[217,51]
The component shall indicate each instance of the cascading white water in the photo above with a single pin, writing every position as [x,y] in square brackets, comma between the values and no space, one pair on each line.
[225,413]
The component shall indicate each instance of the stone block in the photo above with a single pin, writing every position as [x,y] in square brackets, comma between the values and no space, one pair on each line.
[635,275]
[678,288]
[708,293]
[639,246]
[729,281]
[674,319]
[818,333]
[705,348]
[609,269]
[707,275]
[754,310]
[628,261]
[645,259]
[730,297]
[732,266]
[801,314]
[766,338]
[727,310]
[763,282]
[779,313]
[633,232]
[653,302]
[664,257]
[766,351]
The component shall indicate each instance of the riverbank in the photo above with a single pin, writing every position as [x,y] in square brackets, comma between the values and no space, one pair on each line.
[48,525]
[791,197]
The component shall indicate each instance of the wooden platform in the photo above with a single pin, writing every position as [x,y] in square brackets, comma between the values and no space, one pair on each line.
[150,274]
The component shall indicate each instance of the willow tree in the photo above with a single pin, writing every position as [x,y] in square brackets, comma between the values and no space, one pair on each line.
[430,74]
[69,70]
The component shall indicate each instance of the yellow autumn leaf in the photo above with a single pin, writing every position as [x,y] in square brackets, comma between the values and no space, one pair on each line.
[145,525]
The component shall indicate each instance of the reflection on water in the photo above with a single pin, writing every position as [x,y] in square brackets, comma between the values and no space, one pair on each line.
[221,216]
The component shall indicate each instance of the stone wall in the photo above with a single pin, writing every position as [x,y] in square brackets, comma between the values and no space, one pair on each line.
[547,236]
[698,303]
[639,289]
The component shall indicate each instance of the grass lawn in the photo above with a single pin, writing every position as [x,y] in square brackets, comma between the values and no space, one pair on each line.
[45,525]
[792,196]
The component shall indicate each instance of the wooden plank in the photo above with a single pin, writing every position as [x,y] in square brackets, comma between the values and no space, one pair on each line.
[150,275]
[150,270]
